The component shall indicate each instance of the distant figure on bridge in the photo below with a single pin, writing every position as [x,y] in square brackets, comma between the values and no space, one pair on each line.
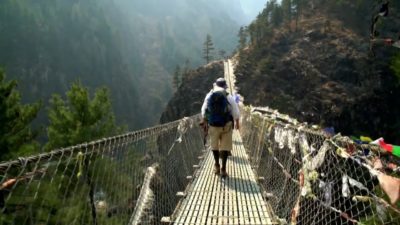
[221,112]
[383,12]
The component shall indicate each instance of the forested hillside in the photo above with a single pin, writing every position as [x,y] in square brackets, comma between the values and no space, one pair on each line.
[132,47]
[321,62]
[189,98]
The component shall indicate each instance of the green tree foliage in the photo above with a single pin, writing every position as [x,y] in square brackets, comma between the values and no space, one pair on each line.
[16,136]
[287,10]
[298,8]
[208,48]
[395,66]
[272,17]
[80,118]
[276,13]
[66,192]
[242,37]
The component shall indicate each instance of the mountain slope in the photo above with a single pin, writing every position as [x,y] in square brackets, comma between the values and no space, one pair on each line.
[132,47]
[323,72]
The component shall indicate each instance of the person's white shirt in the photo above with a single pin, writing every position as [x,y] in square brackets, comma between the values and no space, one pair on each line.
[233,106]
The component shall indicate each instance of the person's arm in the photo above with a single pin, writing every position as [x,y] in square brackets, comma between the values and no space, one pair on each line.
[204,108]
[234,111]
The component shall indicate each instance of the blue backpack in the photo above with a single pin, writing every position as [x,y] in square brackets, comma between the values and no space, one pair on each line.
[218,113]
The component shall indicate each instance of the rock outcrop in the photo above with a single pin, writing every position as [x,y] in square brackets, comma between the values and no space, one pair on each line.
[189,97]
[323,73]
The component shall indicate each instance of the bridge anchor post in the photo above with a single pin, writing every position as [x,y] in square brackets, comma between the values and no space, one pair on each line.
[181,194]
[166,220]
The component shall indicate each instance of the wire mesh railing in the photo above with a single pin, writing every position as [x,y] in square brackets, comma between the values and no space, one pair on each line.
[308,176]
[127,179]
[311,177]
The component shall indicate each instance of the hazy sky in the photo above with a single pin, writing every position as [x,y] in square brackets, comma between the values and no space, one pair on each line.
[252,7]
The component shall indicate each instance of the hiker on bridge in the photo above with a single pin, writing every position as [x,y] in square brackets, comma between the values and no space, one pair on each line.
[221,113]
[383,12]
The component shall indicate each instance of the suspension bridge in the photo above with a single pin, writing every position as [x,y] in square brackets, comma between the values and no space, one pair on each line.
[280,172]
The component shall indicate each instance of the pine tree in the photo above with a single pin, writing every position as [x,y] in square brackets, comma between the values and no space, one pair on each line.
[242,37]
[177,77]
[208,49]
[287,11]
[80,119]
[253,32]
[76,120]
[277,16]
[16,136]
[298,7]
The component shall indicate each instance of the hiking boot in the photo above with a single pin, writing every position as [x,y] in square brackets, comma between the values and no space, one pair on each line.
[217,169]
[224,173]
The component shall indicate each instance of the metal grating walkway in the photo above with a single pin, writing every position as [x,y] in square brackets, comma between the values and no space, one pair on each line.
[233,200]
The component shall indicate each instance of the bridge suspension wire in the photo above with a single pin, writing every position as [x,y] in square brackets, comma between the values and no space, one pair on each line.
[309,177]
[127,179]
[305,176]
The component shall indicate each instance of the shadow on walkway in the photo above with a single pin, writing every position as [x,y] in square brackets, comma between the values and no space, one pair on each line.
[237,159]
[241,185]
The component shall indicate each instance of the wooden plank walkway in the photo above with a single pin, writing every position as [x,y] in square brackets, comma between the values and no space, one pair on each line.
[233,200]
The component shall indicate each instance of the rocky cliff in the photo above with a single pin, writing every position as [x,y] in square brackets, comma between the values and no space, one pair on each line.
[188,99]
[324,73]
